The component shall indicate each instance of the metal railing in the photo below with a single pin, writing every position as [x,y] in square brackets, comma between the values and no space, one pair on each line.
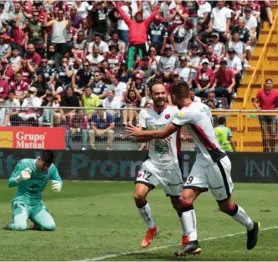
[261,61]
[252,130]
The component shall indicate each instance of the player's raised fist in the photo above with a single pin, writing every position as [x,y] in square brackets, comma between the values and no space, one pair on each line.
[24,175]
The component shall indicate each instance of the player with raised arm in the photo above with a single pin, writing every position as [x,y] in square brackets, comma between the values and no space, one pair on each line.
[212,168]
[162,165]
[30,178]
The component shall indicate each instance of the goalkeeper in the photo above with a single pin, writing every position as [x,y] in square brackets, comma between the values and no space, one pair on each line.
[30,177]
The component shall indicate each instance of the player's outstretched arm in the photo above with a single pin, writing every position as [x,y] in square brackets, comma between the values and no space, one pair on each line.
[152,134]
[20,173]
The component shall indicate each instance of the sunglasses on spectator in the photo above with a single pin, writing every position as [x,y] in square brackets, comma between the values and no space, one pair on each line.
[85,65]
[30,92]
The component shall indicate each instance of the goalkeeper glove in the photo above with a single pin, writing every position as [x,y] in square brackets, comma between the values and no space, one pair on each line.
[24,175]
[56,186]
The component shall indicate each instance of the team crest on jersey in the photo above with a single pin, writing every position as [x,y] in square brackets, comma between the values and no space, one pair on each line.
[180,114]
[167,116]
[139,175]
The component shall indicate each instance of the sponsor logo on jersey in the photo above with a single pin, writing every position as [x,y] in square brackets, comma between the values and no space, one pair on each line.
[167,116]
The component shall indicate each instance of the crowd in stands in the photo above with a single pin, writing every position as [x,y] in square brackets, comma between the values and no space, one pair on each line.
[104,54]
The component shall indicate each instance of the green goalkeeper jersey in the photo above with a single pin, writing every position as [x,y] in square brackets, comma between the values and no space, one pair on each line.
[30,191]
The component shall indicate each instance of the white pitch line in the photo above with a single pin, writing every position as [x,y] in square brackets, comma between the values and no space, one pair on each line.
[166,246]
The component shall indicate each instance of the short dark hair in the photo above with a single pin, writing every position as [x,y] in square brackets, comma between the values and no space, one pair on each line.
[180,87]
[47,156]
[11,91]
[221,120]
[153,83]
[269,79]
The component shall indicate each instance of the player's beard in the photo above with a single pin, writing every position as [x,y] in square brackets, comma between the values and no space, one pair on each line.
[160,103]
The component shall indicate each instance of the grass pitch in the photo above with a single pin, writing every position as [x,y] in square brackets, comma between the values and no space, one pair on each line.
[97,219]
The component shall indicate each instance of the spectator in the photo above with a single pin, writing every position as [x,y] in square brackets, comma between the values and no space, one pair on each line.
[75,18]
[36,34]
[41,85]
[138,33]
[168,62]
[157,32]
[119,87]
[59,32]
[204,79]
[234,63]
[14,111]
[224,82]
[203,12]
[15,58]
[27,70]
[102,125]
[220,20]
[193,96]
[250,23]
[5,48]
[84,76]
[89,100]
[65,75]
[20,87]
[178,15]
[224,136]
[122,27]
[267,99]
[132,100]
[184,70]
[238,46]
[112,104]
[99,88]
[78,124]
[211,57]
[95,58]
[54,58]
[50,100]
[181,37]
[116,40]
[212,102]
[99,17]
[98,42]
[31,112]
[47,71]
[69,100]
[153,58]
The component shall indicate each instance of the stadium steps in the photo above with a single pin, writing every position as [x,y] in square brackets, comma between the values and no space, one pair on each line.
[252,137]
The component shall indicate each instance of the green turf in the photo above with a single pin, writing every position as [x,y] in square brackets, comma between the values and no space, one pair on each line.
[99,218]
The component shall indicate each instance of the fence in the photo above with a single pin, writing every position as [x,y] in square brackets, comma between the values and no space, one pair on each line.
[95,128]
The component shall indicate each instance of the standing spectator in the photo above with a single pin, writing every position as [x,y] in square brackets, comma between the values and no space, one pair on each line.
[220,20]
[99,18]
[75,18]
[224,136]
[59,32]
[204,79]
[102,125]
[224,82]
[178,15]
[122,27]
[78,124]
[157,32]
[212,102]
[36,34]
[138,33]
[181,37]
[267,99]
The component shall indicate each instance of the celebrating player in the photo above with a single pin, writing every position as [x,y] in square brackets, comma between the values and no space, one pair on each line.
[30,177]
[162,165]
[212,168]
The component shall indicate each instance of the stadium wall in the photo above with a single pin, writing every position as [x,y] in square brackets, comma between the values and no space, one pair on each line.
[124,165]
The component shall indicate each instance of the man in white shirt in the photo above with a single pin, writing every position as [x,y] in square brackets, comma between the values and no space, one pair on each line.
[112,104]
[250,23]
[220,20]
[103,46]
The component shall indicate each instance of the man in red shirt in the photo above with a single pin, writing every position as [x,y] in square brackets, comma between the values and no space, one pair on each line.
[19,86]
[267,99]
[33,57]
[138,33]
[224,82]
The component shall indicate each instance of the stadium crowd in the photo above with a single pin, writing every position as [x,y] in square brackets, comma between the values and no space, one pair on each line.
[103,54]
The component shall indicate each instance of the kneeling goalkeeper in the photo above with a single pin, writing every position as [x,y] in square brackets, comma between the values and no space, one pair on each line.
[30,177]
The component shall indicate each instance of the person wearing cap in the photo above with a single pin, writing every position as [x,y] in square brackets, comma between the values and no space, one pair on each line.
[220,20]
[218,47]
[204,79]
[168,62]
[36,34]
[181,37]
[138,33]
[251,23]
[5,48]
[30,107]
[224,82]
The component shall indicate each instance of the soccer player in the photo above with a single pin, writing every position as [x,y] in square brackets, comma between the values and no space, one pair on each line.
[30,177]
[162,165]
[212,168]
